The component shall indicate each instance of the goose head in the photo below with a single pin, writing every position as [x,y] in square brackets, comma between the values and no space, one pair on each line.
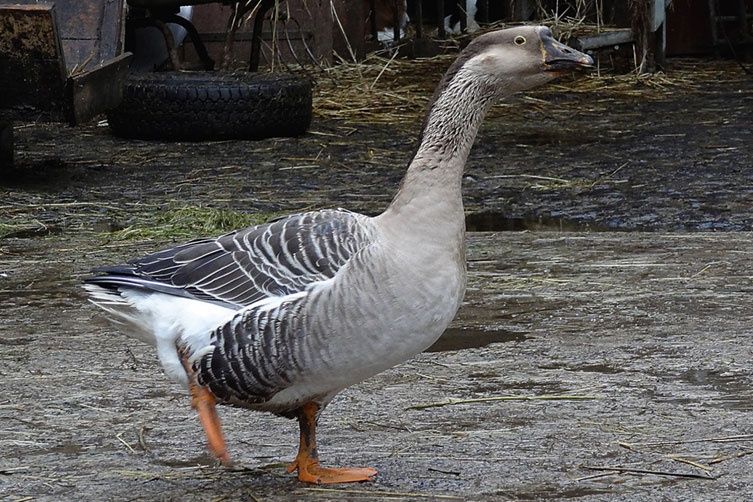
[519,58]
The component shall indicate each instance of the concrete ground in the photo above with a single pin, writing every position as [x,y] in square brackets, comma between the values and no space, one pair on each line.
[583,364]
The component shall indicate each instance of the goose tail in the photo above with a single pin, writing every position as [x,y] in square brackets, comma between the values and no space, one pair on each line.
[165,321]
[121,312]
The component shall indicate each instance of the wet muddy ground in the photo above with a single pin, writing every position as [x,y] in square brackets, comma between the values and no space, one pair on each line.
[583,364]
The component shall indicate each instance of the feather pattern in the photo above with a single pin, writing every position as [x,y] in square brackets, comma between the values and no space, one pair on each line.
[291,312]
[253,356]
[243,267]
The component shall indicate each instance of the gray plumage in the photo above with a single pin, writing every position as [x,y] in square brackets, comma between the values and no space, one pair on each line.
[240,268]
[293,311]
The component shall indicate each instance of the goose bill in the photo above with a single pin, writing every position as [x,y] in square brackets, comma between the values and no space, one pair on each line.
[560,57]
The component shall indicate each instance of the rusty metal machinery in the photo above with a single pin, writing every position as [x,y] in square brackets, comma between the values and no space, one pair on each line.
[59,62]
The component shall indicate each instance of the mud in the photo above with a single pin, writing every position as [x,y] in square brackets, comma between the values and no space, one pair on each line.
[575,350]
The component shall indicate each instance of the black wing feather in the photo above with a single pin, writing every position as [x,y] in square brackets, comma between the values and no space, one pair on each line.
[237,269]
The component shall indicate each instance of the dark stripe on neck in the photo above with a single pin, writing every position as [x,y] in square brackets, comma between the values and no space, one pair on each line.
[476,47]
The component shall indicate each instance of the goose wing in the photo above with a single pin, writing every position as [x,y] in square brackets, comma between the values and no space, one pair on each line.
[255,355]
[274,259]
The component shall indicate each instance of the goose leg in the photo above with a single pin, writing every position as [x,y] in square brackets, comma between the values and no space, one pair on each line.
[307,460]
[205,405]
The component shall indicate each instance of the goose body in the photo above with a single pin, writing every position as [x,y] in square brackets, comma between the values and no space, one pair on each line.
[282,316]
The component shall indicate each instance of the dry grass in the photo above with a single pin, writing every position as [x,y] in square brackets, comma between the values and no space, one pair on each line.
[396,91]
[379,90]
[385,89]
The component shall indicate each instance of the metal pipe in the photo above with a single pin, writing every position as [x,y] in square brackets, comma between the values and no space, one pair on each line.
[253,63]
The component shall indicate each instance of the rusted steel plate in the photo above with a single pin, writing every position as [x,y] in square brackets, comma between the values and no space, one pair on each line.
[112,31]
[28,29]
[36,43]
[91,31]
[32,68]
[97,90]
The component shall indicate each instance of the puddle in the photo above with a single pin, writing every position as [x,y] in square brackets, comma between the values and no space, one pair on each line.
[66,449]
[596,368]
[28,232]
[460,338]
[734,389]
[494,221]
[556,493]
[16,341]
[204,460]
[586,368]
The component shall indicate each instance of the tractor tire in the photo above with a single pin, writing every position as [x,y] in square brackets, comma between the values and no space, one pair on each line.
[197,106]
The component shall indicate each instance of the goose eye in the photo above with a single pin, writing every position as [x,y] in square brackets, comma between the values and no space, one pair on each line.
[519,40]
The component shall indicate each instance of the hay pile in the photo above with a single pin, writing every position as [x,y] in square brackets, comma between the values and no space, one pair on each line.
[396,91]
[379,90]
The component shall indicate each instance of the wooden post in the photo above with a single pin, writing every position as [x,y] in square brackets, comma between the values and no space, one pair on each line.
[461,7]
[660,46]
[482,11]
[373,21]
[420,20]
[396,22]
[6,144]
[440,19]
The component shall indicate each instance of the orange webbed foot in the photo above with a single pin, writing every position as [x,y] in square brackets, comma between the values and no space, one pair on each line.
[312,472]
[307,460]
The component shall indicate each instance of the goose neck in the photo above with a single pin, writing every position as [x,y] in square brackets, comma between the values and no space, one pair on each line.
[431,188]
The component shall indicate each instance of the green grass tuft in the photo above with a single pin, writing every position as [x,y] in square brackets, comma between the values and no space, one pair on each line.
[187,222]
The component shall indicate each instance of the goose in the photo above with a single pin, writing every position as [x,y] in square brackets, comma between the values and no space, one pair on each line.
[281,317]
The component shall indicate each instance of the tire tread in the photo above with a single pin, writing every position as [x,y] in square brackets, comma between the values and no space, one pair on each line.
[203,105]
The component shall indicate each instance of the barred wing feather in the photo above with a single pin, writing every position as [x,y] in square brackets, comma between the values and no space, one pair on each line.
[255,355]
[238,269]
